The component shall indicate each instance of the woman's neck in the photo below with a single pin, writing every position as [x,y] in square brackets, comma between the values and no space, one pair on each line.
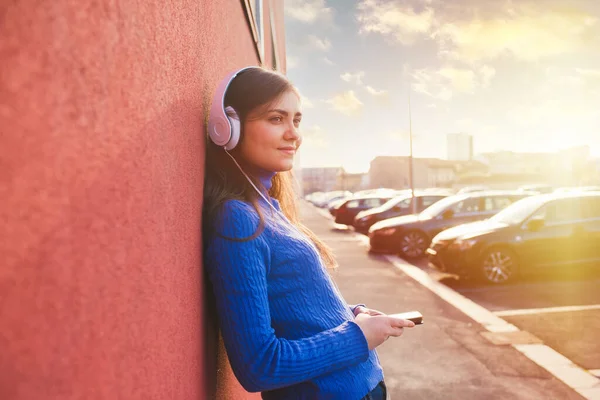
[264,177]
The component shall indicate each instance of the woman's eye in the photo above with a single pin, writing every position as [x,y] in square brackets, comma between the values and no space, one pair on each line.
[276,119]
[297,122]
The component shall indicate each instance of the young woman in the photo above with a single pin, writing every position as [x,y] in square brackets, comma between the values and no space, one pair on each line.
[287,329]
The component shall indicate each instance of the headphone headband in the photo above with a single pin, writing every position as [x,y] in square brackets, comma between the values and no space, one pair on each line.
[221,130]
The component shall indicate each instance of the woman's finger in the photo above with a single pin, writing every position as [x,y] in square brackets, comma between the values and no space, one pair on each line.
[401,323]
[396,332]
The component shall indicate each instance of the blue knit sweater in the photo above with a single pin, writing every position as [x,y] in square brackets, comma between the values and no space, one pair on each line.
[288,332]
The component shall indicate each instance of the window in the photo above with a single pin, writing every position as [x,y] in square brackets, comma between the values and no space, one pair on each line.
[467,206]
[496,203]
[370,203]
[352,204]
[591,207]
[560,211]
[254,12]
[426,201]
[403,205]
[274,48]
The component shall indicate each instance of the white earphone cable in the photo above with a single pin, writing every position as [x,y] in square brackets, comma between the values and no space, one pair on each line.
[278,212]
[252,183]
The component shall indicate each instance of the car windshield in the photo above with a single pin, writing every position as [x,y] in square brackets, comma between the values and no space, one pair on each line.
[517,212]
[439,207]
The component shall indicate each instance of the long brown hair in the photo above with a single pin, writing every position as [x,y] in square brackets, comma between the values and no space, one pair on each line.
[251,90]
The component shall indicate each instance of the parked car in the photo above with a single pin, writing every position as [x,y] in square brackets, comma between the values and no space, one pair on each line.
[410,235]
[345,213]
[323,199]
[400,205]
[377,192]
[334,205]
[534,234]
[337,199]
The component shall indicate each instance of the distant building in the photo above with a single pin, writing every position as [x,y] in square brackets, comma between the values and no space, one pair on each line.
[394,172]
[320,179]
[352,182]
[440,173]
[510,162]
[459,146]
[508,169]
[389,172]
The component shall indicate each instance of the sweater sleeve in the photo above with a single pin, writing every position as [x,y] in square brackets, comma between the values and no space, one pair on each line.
[260,360]
[353,307]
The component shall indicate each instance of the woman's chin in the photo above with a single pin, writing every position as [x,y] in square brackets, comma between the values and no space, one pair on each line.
[285,166]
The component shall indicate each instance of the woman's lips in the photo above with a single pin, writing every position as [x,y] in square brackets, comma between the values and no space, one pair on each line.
[288,150]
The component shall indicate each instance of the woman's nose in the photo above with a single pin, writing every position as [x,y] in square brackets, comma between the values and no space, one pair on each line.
[292,133]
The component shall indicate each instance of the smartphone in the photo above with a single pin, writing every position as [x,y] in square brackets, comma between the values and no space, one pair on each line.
[413,316]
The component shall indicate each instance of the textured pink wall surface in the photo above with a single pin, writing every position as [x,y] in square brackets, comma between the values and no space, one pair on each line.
[101,159]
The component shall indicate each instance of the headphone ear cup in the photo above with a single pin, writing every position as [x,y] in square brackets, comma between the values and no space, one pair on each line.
[234,120]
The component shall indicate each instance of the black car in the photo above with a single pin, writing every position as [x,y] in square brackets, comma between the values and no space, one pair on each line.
[535,234]
[345,213]
[410,235]
[398,206]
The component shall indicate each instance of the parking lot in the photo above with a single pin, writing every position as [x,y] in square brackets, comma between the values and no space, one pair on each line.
[562,310]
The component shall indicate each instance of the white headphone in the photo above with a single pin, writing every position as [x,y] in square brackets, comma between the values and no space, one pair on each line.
[224,125]
[223,122]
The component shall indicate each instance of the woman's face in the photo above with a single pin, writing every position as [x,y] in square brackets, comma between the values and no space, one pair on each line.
[271,139]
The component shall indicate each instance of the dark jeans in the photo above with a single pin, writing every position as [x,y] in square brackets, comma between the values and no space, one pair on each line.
[379,393]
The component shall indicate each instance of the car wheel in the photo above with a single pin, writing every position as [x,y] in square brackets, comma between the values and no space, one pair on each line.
[413,244]
[499,265]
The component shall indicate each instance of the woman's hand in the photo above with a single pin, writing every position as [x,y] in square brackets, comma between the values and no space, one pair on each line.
[377,329]
[365,310]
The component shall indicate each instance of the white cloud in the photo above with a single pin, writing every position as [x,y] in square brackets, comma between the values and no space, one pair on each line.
[592,75]
[353,78]
[327,61]
[316,43]
[375,92]
[357,78]
[309,11]
[306,102]
[395,19]
[485,30]
[445,81]
[571,81]
[487,73]
[346,103]
[313,137]
[526,31]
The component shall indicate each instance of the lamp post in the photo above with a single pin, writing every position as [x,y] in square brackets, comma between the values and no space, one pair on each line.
[410,159]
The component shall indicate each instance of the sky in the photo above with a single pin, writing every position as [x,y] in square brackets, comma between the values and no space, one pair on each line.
[521,75]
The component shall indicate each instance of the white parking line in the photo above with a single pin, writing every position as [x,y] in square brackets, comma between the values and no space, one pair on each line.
[480,314]
[577,378]
[531,311]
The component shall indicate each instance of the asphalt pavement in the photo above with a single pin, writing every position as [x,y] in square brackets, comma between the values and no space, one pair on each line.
[450,356]
[562,310]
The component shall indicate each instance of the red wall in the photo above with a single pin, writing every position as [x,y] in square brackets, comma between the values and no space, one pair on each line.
[101,160]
